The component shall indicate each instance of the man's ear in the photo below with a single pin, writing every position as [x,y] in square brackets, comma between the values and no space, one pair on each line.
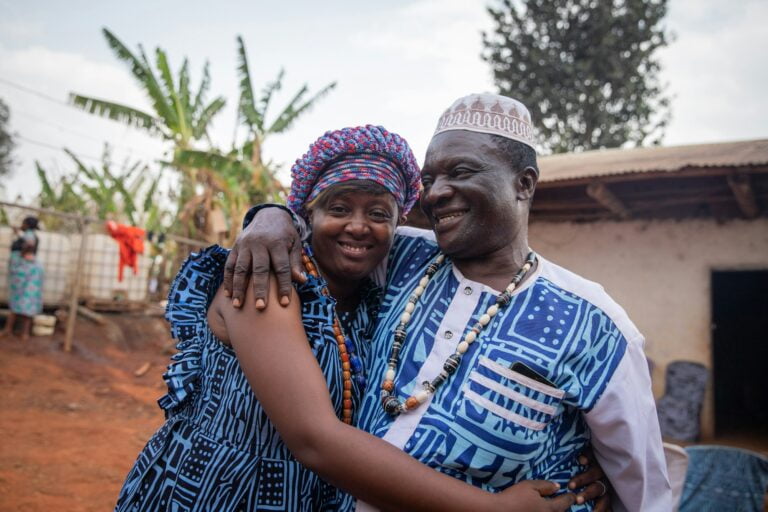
[526,183]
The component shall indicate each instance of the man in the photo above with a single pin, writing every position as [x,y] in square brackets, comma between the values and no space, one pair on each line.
[489,362]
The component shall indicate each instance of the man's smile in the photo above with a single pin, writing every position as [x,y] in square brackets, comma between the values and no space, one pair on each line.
[444,219]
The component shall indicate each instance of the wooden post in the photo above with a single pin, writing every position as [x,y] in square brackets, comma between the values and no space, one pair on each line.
[607,199]
[741,187]
[75,297]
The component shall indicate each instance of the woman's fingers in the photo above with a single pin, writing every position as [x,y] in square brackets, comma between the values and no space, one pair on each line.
[595,490]
[589,476]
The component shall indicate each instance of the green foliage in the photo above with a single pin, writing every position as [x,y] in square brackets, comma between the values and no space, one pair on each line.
[209,179]
[178,116]
[586,69]
[6,141]
[129,195]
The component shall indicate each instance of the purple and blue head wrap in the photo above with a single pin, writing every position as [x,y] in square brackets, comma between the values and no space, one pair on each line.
[362,153]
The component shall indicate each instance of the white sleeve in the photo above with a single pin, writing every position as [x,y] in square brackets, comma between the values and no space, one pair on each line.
[626,437]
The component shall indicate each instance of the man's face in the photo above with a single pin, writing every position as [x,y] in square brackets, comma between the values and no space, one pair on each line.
[471,195]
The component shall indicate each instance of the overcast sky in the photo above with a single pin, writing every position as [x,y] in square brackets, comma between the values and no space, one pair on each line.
[399,65]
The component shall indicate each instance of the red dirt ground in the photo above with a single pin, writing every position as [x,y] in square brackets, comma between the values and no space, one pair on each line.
[71,424]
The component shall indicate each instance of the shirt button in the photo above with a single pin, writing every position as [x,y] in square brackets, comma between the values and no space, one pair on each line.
[448,335]
[468,290]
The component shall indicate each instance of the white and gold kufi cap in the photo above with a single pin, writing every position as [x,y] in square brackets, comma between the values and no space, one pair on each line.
[489,113]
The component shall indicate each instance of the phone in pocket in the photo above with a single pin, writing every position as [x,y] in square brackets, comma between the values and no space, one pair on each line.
[524,369]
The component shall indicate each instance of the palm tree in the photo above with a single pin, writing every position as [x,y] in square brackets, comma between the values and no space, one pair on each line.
[244,163]
[124,196]
[230,181]
[179,116]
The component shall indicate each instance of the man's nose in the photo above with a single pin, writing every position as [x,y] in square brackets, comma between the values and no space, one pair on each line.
[439,190]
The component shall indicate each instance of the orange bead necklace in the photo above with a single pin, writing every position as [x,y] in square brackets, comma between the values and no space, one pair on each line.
[351,366]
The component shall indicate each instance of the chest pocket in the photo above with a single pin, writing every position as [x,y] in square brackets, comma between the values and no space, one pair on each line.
[505,415]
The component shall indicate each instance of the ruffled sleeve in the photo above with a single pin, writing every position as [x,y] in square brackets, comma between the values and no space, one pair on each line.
[190,295]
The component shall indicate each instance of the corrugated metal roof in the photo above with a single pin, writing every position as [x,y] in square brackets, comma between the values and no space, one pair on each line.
[606,162]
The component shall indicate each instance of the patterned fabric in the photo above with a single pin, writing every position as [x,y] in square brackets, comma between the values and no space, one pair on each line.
[375,168]
[680,407]
[489,425]
[489,113]
[25,278]
[362,140]
[724,478]
[217,449]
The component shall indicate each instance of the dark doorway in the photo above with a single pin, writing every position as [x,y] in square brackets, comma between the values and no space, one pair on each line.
[740,354]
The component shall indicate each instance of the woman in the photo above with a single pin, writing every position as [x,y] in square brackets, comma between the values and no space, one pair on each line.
[220,448]
[25,276]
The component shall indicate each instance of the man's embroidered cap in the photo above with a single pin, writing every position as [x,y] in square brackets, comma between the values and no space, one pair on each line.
[489,113]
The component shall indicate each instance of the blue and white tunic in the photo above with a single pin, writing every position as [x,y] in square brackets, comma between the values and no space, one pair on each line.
[492,426]
[217,449]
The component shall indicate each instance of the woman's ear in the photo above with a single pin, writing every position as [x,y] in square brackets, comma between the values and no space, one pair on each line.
[401,220]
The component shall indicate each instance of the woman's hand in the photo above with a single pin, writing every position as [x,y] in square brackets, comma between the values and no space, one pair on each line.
[269,242]
[532,496]
[592,482]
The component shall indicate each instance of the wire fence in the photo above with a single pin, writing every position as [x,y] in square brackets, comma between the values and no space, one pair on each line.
[81,263]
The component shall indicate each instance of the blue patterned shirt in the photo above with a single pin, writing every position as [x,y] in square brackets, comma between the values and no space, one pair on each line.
[492,426]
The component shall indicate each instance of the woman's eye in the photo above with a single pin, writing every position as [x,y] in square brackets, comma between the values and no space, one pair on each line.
[337,209]
[381,215]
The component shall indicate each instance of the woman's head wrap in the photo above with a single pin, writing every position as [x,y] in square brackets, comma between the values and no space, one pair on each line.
[362,153]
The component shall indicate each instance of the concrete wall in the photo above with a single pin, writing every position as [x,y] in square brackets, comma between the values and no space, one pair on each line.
[660,272]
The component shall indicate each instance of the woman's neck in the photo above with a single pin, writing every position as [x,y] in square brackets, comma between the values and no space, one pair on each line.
[345,292]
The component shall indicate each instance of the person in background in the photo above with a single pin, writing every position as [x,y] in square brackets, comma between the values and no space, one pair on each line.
[25,279]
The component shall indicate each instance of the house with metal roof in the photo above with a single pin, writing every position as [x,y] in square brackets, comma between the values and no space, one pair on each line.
[679,237]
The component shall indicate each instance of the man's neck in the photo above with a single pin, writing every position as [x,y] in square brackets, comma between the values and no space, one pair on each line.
[497,268]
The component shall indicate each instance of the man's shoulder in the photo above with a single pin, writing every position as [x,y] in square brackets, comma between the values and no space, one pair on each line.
[413,244]
[413,247]
[592,293]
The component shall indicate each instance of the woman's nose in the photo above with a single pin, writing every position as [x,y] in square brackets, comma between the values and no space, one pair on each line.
[358,225]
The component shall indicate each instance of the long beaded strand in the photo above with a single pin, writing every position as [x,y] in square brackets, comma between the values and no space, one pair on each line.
[393,405]
[351,366]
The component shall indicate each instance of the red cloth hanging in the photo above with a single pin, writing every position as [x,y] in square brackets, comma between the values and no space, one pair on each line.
[131,242]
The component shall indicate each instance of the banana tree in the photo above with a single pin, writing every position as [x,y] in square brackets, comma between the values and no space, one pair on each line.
[126,195]
[180,115]
[242,175]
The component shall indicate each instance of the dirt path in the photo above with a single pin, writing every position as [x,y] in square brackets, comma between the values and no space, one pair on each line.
[72,424]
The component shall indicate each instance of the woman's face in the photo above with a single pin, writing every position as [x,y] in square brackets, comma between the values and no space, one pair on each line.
[352,233]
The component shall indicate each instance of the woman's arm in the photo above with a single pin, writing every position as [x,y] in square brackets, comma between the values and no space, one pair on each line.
[274,353]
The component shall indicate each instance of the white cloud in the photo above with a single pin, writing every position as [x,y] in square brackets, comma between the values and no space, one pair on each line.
[716,71]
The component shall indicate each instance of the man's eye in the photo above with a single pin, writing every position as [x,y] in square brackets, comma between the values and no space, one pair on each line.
[462,171]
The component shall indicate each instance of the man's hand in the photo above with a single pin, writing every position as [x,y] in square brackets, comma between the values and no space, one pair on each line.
[269,242]
[531,496]
[592,482]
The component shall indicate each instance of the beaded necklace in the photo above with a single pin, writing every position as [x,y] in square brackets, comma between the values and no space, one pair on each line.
[393,405]
[351,366]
